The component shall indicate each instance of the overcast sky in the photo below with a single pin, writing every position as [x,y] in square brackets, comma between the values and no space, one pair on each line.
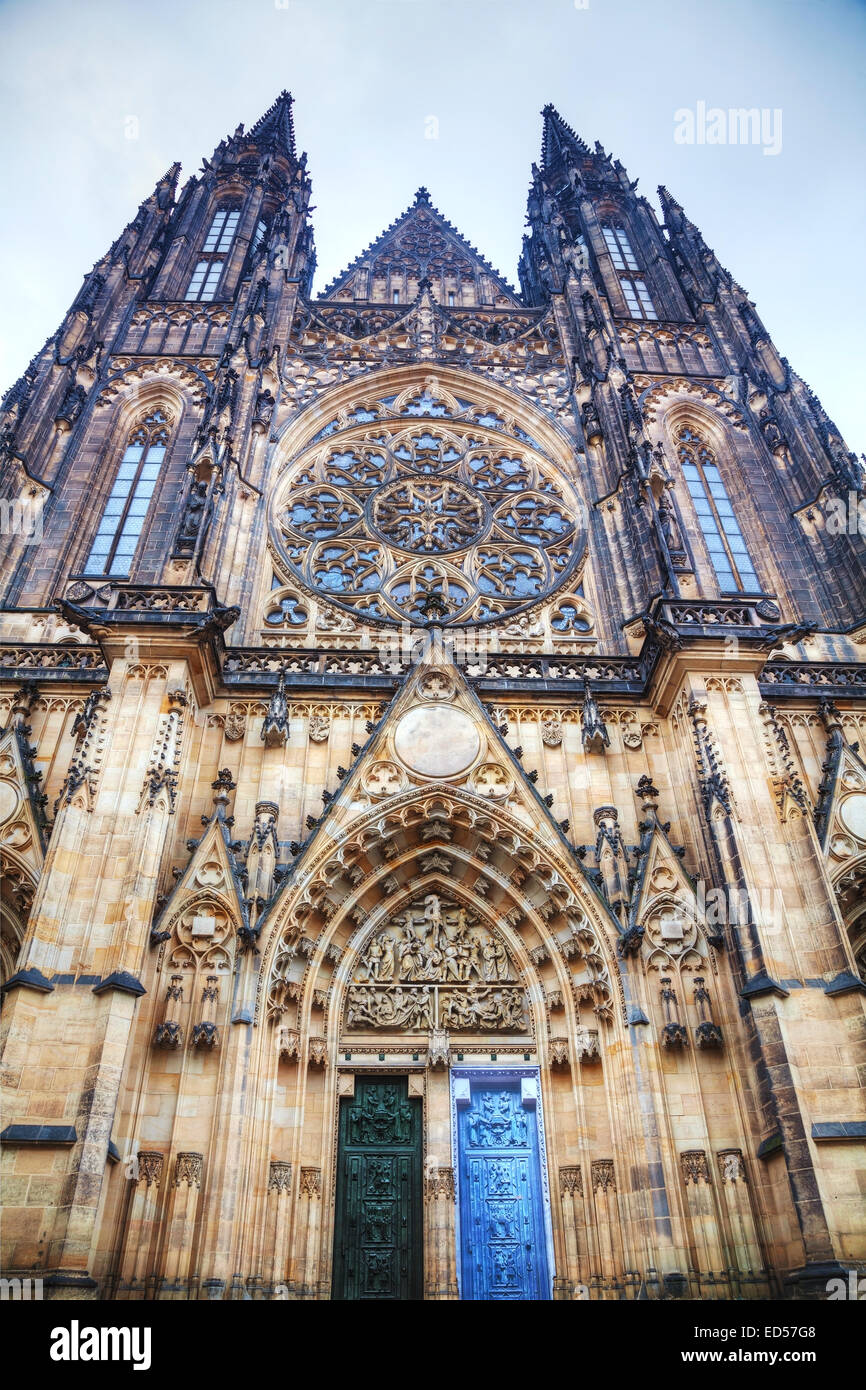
[80,79]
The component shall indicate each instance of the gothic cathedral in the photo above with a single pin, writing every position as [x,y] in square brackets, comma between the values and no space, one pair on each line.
[432,813]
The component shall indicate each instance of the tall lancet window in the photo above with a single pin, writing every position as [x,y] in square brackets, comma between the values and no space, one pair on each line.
[127,507]
[214,253]
[637,296]
[724,539]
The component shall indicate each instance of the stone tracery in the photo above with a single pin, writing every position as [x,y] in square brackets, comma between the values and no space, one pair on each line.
[381,516]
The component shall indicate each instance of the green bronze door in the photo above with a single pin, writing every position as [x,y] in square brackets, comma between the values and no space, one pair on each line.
[377,1236]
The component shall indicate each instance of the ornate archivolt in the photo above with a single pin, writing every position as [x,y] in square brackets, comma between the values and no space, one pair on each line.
[436,494]
[436,886]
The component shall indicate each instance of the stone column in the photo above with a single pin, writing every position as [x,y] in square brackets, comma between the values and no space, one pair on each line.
[606,1216]
[143,1213]
[440,1194]
[745,1246]
[311,1218]
[187,1185]
[702,1213]
[571,1196]
[279,1196]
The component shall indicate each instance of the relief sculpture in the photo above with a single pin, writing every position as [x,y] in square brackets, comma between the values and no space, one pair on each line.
[436,966]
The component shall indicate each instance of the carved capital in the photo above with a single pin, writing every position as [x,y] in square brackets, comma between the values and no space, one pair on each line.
[603,1179]
[732,1166]
[311,1182]
[694,1166]
[571,1181]
[150,1166]
[188,1169]
[280,1178]
[440,1183]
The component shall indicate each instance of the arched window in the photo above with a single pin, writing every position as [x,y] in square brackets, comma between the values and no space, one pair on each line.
[214,253]
[123,519]
[637,296]
[724,539]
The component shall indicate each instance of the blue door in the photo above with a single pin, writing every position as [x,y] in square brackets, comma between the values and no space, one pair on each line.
[502,1237]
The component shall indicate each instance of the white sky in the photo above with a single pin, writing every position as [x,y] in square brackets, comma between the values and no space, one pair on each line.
[366,75]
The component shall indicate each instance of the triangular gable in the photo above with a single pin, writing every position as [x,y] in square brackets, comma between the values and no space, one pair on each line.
[666,919]
[426,244]
[841,814]
[437,733]
[211,876]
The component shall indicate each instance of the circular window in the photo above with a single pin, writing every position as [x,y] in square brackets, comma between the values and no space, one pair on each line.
[461,516]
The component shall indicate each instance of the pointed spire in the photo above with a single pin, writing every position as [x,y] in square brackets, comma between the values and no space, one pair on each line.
[557,137]
[276,128]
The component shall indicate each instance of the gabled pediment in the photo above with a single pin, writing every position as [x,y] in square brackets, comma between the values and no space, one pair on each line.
[841,813]
[209,889]
[421,245]
[433,770]
[666,919]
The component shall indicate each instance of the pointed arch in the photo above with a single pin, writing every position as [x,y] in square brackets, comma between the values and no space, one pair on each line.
[552,923]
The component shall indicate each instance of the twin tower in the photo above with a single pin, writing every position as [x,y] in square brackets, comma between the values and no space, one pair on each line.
[432,820]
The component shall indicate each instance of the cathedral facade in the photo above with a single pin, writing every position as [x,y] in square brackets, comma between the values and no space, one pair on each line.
[432,819]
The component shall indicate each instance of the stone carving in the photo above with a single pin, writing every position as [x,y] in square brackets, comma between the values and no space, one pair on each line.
[438,1049]
[319,728]
[434,941]
[593,728]
[192,519]
[695,1166]
[235,726]
[603,1179]
[397,1008]
[280,1178]
[559,1052]
[288,1043]
[150,1166]
[732,1166]
[492,780]
[275,729]
[440,1183]
[586,1044]
[383,779]
[483,1009]
[551,732]
[311,1182]
[571,1182]
[188,1169]
[318,1056]
[435,686]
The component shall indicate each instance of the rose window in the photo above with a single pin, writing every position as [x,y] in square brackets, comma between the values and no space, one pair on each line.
[428,518]
[462,515]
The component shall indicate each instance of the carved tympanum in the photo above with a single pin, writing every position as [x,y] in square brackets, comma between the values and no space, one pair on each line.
[435,966]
